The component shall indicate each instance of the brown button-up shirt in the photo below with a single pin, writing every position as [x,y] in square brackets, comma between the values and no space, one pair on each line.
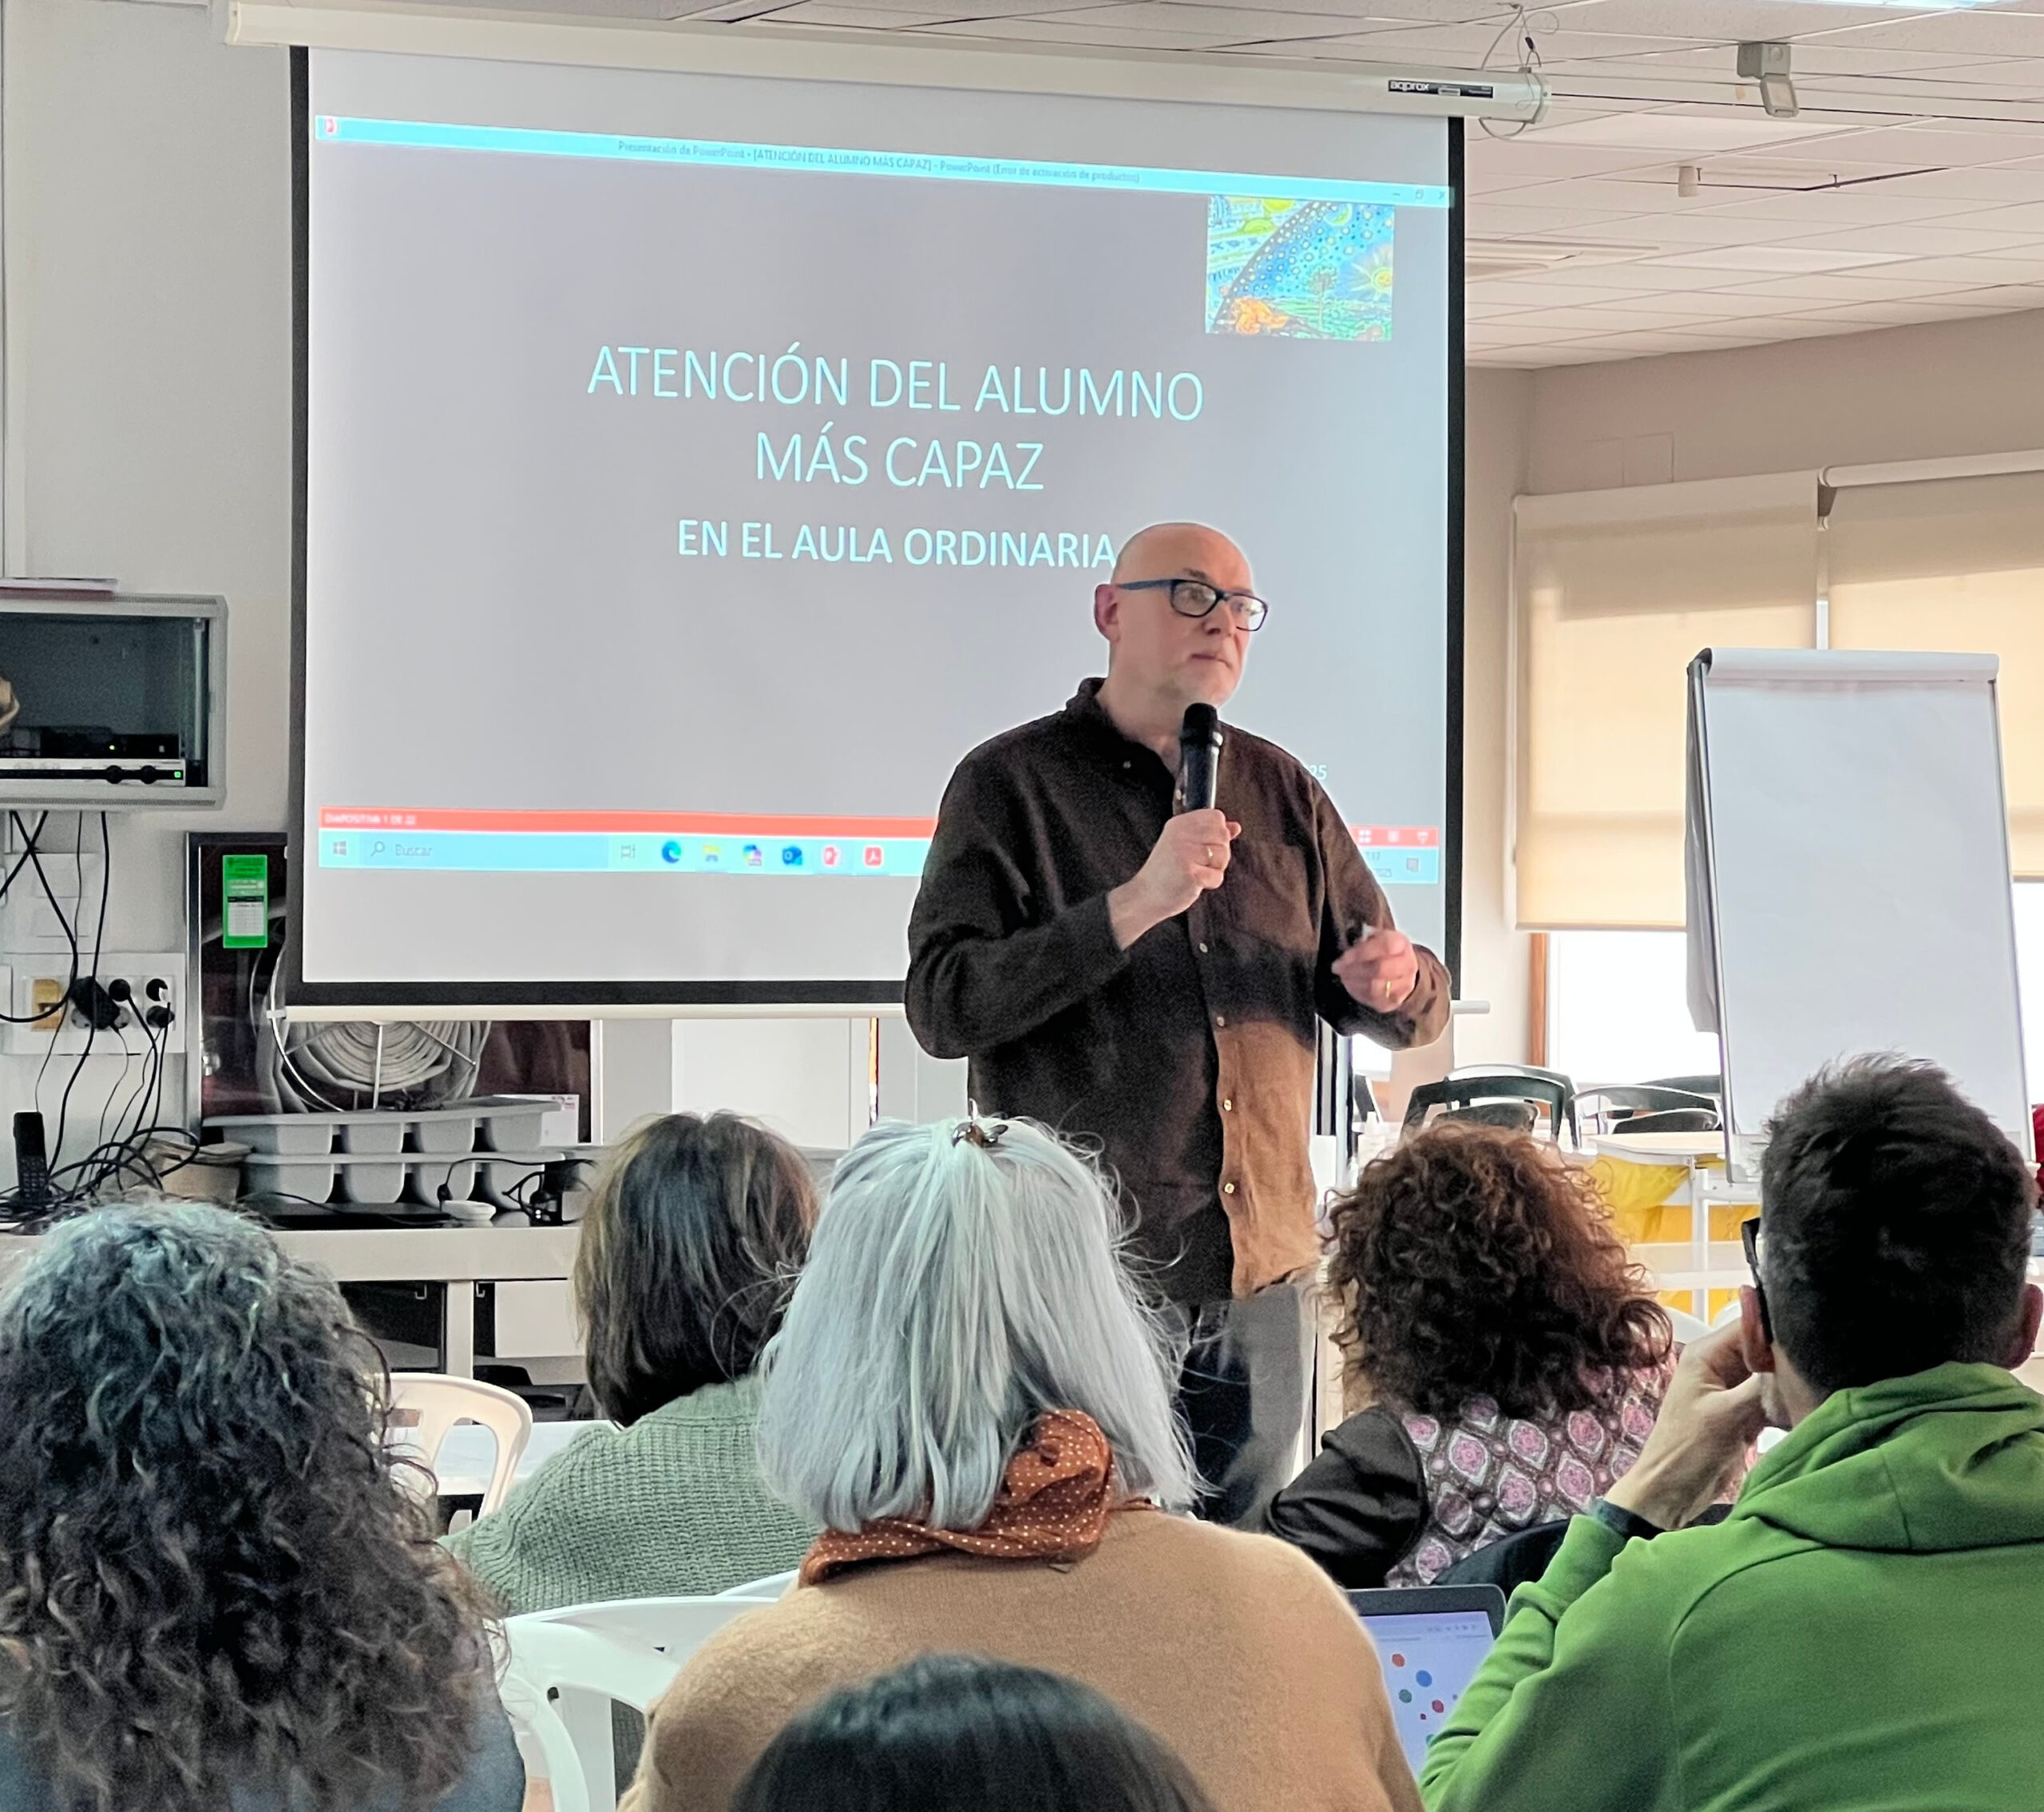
[1189,1056]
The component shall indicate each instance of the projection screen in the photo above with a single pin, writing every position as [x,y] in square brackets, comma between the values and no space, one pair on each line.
[695,468]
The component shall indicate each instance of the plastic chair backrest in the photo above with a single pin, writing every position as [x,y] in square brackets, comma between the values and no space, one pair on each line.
[1687,1326]
[1465,1088]
[573,1661]
[424,1406]
[1671,1119]
[775,1586]
[1561,1079]
[1712,1086]
[1514,1116]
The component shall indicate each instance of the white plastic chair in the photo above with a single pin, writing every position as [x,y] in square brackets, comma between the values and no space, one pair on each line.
[567,1666]
[762,1591]
[424,1405]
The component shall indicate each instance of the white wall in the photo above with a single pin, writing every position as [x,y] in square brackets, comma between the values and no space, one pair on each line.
[147,215]
[1494,956]
[1944,388]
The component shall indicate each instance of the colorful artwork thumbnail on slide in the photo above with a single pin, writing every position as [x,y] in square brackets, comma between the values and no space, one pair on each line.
[1307,270]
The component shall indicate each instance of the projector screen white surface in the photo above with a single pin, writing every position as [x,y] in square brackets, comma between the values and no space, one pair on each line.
[697,467]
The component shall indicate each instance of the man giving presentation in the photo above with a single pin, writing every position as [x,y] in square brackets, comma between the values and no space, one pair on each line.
[1148,979]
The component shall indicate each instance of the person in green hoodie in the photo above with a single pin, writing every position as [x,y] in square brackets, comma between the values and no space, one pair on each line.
[1864,1632]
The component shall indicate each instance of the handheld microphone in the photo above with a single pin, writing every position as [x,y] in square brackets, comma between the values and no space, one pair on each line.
[1200,740]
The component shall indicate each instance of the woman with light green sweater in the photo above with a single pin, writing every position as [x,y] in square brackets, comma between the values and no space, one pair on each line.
[692,1240]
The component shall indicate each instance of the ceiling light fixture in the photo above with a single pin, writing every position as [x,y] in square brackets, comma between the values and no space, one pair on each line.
[1768,65]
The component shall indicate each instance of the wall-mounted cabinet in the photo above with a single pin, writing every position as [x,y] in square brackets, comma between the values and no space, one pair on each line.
[118,703]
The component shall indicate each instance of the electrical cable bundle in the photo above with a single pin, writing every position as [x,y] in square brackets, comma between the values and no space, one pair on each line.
[124,1160]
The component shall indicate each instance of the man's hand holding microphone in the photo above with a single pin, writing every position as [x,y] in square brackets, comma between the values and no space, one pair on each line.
[1379,969]
[1190,857]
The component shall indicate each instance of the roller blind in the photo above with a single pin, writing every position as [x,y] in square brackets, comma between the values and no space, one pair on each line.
[1614,593]
[1957,564]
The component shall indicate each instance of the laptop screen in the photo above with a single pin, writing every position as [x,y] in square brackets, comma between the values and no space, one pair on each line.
[1429,1658]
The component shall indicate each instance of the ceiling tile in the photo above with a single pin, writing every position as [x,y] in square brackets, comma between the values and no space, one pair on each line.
[1535,295]
[1672,134]
[1354,14]
[1873,204]
[1492,165]
[1873,314]
[1229,22]
[1978,31]
[1044,31]
[1978,185]
[1511,333]
[1677,229]
[2027,217]
[1596,320]
[841,12]
[1878,284]
[1776,259]
[1492,220]
[1726,20]
[1919,241]
[1977,273]
[1642,277]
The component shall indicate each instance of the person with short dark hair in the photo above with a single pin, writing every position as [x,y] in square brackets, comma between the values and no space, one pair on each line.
[213,1592]
[1513,1359]
[958,1733]
[692,1240]
[1866,1629]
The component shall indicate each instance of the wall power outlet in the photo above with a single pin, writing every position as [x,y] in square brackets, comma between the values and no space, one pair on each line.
[36,985]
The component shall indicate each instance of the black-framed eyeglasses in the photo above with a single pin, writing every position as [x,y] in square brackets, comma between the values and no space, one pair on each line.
[1195,598]
[1755,1241]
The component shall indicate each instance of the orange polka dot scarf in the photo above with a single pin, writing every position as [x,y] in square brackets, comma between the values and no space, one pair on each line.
[1054,1502]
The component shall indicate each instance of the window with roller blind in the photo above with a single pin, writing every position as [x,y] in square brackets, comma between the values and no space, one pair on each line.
[1614,591]
[1957,564]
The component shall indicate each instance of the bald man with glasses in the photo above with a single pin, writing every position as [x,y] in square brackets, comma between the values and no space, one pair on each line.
[1151,980]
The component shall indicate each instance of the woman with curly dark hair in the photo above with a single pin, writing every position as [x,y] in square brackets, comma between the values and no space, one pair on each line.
[213,1593]
[1513,1361]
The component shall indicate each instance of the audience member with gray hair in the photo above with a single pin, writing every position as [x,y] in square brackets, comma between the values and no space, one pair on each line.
[969,1393]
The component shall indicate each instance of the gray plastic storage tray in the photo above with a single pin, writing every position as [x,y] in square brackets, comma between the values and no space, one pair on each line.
[489,1122]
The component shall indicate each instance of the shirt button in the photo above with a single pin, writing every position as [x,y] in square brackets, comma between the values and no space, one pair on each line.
[1227,1189]
[1227,1107]
[1220,1019]
[1202,949]
[1127,764]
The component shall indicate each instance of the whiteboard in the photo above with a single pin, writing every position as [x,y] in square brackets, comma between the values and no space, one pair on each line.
[1849,871]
